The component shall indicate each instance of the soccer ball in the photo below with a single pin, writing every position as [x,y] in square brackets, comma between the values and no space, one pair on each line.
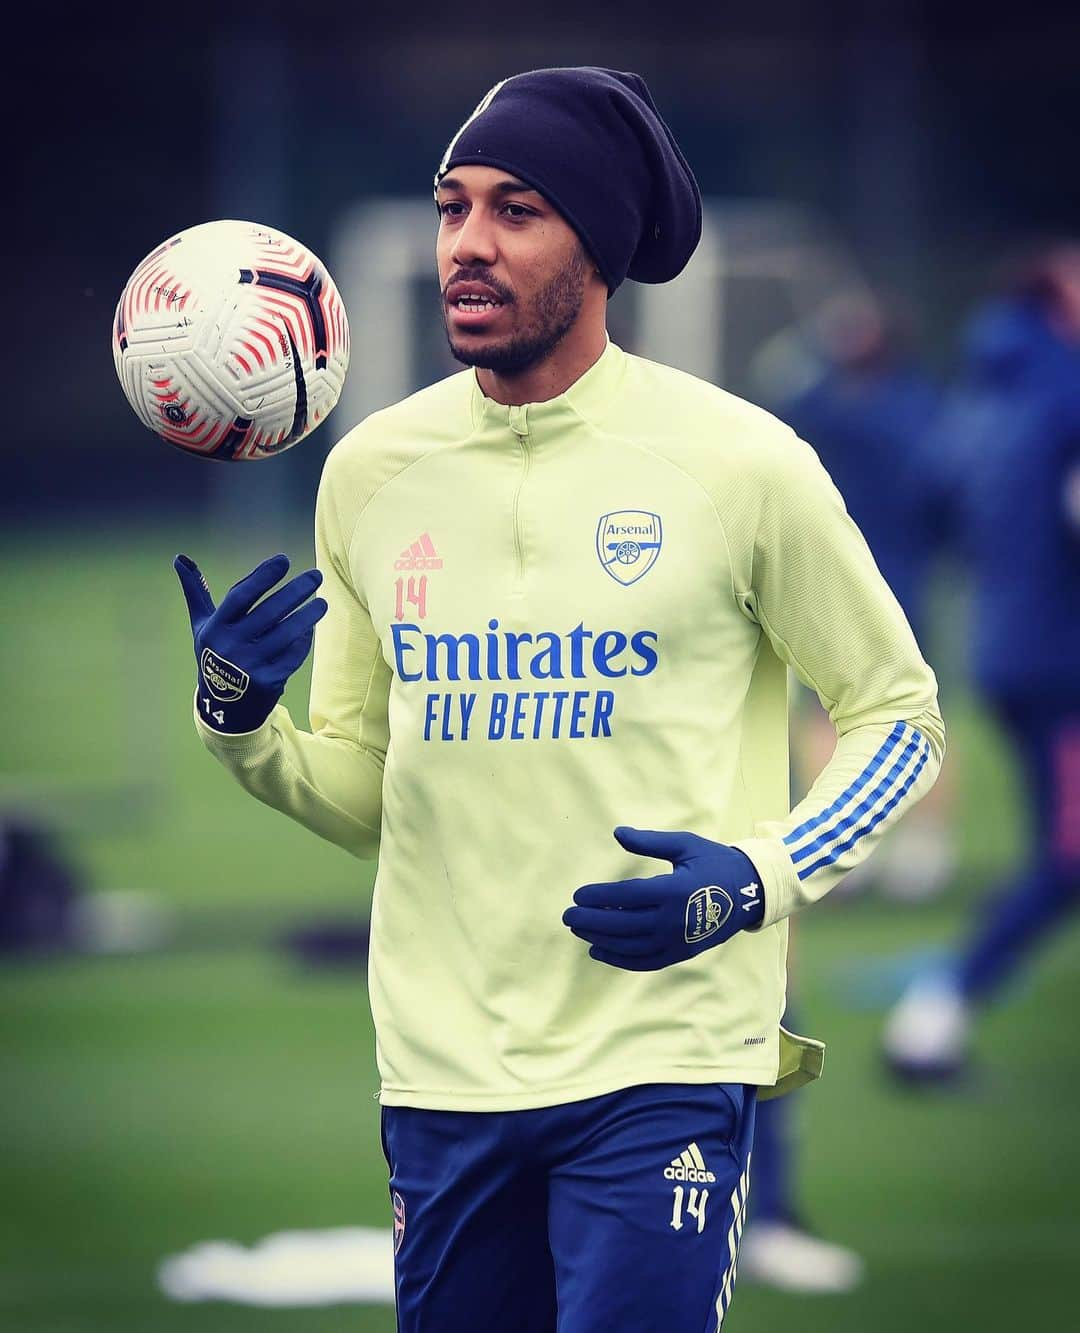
[231,341]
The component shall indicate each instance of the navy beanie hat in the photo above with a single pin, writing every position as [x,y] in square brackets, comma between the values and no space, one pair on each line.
[592,142]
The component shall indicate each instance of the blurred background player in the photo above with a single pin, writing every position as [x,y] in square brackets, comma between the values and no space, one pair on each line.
[1010,436]
[850,381]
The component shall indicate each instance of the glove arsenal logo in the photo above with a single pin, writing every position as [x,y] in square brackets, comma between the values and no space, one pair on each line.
[224,680]
[706,911]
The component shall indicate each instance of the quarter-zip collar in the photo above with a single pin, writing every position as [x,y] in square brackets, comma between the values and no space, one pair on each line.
[586,399]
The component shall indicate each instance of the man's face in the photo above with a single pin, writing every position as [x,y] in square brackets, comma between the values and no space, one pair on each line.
[512,270]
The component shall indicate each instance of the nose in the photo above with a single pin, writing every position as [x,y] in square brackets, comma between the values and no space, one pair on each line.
[475,242]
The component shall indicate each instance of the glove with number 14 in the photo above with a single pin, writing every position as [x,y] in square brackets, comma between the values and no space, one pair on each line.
[247,652]
[642,925]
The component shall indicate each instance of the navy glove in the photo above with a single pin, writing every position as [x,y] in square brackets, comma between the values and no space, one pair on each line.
[246,653]
[645,924]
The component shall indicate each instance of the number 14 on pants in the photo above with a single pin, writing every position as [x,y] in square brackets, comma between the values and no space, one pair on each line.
[695,1200]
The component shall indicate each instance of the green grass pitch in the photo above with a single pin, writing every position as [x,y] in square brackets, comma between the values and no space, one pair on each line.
[216,1089]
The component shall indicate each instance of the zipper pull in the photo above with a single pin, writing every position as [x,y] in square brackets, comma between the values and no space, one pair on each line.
[519,422]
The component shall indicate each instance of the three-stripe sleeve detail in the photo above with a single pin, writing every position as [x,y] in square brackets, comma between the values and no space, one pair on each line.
[881,786]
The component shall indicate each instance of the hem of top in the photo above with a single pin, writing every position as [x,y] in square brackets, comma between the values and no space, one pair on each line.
[427,1100]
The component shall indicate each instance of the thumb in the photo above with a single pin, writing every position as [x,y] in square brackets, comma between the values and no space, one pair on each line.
[200,604]
[671,847]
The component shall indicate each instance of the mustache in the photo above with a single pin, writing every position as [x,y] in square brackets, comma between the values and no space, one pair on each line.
[479,275]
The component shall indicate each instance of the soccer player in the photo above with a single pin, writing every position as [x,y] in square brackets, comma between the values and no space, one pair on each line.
[560,592]
[1011,434]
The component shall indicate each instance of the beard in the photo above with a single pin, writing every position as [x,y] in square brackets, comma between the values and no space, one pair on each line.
[555,308]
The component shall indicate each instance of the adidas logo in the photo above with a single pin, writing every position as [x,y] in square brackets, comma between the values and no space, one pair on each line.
[421,554]
[689,1165]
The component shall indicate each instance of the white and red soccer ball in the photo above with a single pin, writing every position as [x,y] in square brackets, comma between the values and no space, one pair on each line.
[231,341]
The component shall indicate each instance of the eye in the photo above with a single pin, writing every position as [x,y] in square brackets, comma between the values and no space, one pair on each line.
[521,213]
[447,210]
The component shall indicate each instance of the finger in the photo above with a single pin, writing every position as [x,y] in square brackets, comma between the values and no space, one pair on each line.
[292,658]
[620,948]
[279,604]
[651,964]
[623,893]
[200,604]
[242,596]
[610,921]
[651,842]
[293,627]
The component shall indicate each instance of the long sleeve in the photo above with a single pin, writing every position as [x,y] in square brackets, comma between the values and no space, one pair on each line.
[329,779]
[810,581]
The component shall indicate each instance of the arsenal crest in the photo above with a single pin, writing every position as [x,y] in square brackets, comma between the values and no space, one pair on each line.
[628,543]
[224,679]
[706,911]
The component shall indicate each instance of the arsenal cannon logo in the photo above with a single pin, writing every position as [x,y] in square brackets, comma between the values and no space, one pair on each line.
[628,543]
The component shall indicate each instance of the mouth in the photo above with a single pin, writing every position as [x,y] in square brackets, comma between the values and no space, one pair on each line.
[472,304]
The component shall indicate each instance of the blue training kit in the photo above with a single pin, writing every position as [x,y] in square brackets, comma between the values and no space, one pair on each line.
[1045,736]
[618,1212]
[1009,440]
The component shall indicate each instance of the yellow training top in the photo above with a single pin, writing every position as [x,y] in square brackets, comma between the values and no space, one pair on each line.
[548,620]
